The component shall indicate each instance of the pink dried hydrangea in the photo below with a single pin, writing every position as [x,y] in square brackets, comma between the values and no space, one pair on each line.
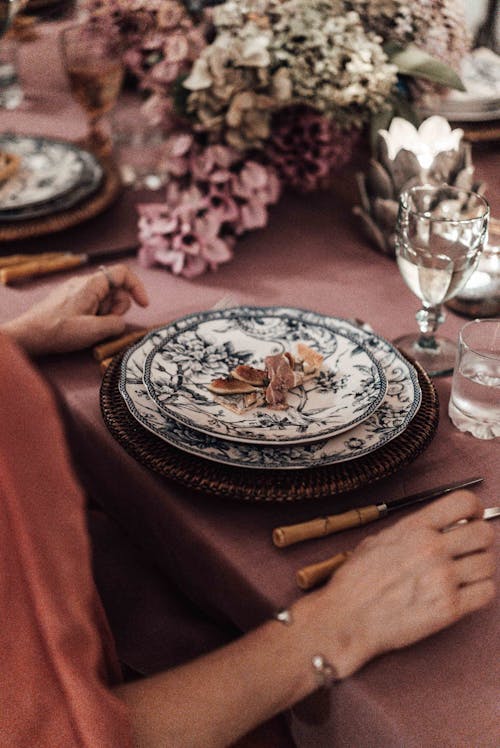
[214,195]
[305,147]
[160,42]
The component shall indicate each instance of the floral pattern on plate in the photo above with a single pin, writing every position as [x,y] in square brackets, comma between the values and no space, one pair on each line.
[400,405]
[201,347]
[49,169]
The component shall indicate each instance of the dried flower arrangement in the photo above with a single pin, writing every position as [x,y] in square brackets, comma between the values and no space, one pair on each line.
[265,94]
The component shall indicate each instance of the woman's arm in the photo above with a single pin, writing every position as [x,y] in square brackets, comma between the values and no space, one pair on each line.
[399,586]
[78,313]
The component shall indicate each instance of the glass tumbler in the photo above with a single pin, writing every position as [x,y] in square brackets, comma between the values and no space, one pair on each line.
[475,391]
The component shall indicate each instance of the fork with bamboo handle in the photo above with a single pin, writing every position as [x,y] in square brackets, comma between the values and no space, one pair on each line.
[313,575]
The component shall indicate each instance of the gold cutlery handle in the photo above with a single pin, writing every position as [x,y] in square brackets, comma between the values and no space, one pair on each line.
[322,526]
[311,576]
[10,260]
[111,347]
[38,267]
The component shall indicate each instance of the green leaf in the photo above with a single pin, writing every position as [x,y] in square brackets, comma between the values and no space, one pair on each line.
[380,121]
[415,62]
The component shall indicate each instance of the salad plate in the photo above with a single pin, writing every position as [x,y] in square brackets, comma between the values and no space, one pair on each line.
[90,180]
[401,403]
[48,169]
[349,386]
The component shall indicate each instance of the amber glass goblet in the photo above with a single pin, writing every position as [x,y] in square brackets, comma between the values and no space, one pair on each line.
[93,64]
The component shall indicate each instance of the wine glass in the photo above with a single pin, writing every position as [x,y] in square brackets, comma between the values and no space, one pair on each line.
[440,233]
[11,93]
[95,71]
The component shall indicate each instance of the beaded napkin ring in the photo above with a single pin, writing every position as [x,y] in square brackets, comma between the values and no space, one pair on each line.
[324,671]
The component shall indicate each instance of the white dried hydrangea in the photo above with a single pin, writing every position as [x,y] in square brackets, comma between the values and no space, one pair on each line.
[270,53]
[334,64]
[232,87]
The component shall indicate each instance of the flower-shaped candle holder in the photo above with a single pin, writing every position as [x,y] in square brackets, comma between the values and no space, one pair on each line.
[405,157]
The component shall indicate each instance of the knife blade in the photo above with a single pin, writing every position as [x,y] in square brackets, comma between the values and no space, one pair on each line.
[34,266]
[314,574]
[323,526]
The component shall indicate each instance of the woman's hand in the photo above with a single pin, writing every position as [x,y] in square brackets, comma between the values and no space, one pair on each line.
[79,313]
[407,582]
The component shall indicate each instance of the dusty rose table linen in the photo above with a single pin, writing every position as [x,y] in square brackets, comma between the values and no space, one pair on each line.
[441,692]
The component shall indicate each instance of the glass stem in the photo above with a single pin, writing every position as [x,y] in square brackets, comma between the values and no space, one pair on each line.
[429,318]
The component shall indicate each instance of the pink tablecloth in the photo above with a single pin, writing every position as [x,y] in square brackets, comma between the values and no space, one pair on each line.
[441,692]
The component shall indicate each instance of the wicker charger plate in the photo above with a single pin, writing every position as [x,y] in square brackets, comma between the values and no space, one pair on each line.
[266,485]
[64,219]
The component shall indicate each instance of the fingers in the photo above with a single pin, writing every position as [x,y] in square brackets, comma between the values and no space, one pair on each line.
[120,302]
[475,568]
[458,505]
[473,536]
[121,277]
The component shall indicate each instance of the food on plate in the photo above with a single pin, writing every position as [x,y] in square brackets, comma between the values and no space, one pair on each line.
[282,378]
[311,360]
[9,165]
[269,386]
[229,386]
[257,377]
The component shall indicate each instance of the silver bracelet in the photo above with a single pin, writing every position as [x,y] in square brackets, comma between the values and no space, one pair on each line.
[324,671]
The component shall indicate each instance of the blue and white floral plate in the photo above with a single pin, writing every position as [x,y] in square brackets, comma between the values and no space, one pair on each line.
[198,348]
[53,175]
[391,418]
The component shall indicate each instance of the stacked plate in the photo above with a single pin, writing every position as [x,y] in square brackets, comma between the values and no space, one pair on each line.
[480,102]
[365,394]
[52,176]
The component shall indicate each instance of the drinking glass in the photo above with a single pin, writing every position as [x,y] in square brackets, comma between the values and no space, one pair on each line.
[440,234]
[475,389]
[11,93]
[95,71]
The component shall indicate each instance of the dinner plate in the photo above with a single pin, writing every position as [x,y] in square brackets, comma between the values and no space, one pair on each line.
[201,347]
[90,181]
[480,101]
[49,169]
[399,406]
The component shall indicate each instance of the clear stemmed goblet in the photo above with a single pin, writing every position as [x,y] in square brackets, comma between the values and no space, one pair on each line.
[95,71]
[11,93]
[440,233]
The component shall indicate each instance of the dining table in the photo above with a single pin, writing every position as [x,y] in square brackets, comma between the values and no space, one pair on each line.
[218,550]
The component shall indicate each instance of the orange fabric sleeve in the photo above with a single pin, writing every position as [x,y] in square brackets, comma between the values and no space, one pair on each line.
[54,671]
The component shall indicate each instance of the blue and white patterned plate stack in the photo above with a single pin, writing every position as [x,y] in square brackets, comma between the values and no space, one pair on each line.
[364,396]
[53,176]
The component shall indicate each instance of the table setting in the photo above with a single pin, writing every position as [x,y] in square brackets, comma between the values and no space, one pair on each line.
[246,253]
[227,439]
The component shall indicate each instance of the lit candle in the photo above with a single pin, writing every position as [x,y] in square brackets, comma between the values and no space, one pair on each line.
[434,136]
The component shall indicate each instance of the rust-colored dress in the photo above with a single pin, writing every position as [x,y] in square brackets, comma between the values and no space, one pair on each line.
[57,660]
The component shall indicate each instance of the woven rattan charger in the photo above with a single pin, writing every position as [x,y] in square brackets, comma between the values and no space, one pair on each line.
[266,485]
[65,219]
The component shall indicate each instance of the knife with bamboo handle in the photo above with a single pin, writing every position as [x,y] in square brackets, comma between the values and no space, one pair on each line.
[34,266]
[314,574]
[323,526]
[10,260]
